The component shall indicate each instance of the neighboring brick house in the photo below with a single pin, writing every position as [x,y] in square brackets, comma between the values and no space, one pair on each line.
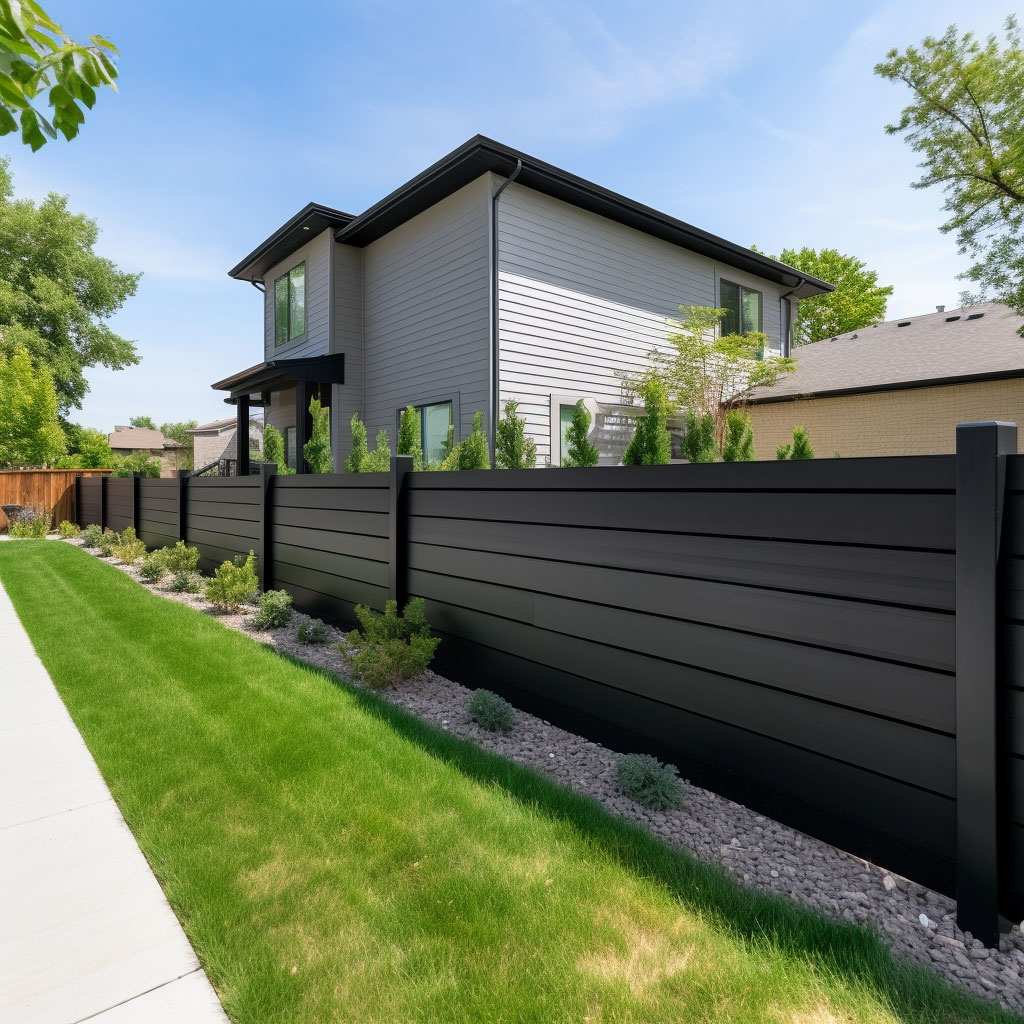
[126,440]
[898,388]
[215,441]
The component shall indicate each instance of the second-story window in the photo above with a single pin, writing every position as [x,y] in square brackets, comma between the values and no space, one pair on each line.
[742,308]
[290,305]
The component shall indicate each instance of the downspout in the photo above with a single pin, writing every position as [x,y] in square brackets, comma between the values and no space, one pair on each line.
[788,346]
[493,364]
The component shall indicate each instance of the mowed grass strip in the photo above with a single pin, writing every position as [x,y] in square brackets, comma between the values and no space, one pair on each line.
[332,858]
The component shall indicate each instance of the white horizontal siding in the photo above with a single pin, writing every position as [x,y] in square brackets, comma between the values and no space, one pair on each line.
[583,300]
[316,340]
[426,312]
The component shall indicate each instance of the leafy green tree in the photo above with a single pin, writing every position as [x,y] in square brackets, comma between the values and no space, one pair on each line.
[858,301]
[579,452]
[137,462]
[273,450]
[799,449]
[703,370]
[739,438]
[184,457]
[409,436]
[30,431]
[471,452]
[317,450]
[651,444]
[699,442]
[358,452]
[379,460]
[56,294]
[966,120]
[512,448]
[143,422]
[37,58]
[89,449]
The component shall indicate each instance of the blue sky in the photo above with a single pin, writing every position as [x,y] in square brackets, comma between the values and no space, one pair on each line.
[760,122]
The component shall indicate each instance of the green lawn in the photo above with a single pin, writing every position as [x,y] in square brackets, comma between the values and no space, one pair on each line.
[334,859]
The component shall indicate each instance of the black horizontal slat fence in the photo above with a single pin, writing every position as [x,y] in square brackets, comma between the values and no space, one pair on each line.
[792,635]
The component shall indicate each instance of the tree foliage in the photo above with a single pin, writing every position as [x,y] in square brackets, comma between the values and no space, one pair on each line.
[703,370]
[512,448]
[56,294]
[274,451]
[30,431]
[699,442]
[579,452]
[317,450]
[739,438]
[88,449]
[799,449]
[966,120]
[651,445]
[142,422]
[357,453]
[409,442]
[858,301]
[379,460]
[37,58]
[137,462]
[471,452]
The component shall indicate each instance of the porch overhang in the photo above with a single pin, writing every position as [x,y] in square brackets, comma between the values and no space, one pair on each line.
[278,374]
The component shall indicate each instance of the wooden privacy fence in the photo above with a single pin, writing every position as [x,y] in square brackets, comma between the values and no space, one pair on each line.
[836,643]
[52,488]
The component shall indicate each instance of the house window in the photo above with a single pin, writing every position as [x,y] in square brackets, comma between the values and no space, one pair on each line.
[434,423]
[742,308]
[290,305]
[564,422]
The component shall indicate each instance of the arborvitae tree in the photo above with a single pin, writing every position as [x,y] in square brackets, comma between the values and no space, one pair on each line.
[379,460]
[273,449]
[354,462]
[409,436]
[512,448]
[317,450]
[699,443]
[739,438]
[579,451]
[651,444]
[799,449]
[470,453]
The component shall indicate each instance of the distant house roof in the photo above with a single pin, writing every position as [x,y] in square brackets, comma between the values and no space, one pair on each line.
[136,438]
[217,426]
[954,346]
[476,157]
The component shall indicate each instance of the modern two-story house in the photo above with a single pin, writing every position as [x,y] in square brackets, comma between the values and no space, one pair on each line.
[490,276]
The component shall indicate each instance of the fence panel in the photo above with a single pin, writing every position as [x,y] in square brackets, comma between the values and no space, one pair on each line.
[222,518]
[53,489]
[120,509]
[784,633]
[90,501]
[330,541]
[158,512]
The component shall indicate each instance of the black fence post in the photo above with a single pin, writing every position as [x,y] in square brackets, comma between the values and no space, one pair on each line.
[268,471]
[401,465]
[103,500]
[182,501]
[78,500]
[981,450]
[136,477]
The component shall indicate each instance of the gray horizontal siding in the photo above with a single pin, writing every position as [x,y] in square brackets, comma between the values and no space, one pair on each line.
[583,301]
[347,399]
[316,340]
[426,313]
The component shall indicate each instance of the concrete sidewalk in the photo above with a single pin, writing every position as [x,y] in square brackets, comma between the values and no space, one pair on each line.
[85,931]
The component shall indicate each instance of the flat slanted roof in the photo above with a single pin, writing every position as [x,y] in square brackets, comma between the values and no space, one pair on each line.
[951,347]
[480,154]
[275,374]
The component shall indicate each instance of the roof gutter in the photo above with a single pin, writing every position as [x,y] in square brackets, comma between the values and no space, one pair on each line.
[493,355]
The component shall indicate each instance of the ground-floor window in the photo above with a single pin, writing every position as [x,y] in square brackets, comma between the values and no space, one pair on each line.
[435,420]
[564,422]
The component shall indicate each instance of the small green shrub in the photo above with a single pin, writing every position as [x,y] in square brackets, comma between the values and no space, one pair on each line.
[649,782]
[91,535]
[181,557]
[68,529]
[492,712]
[799,449]
[129,548]
[187,581]
[33,521]
[107,542]
[234,583]
[739,438]
[152,569]
[312,631]
[275,610]
[391,647]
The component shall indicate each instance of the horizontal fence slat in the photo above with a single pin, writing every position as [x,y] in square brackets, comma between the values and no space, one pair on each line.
[348,499]
[222,509]
[369,523]
[361,569]
[238,527]
[357,544]
[313,481]
[336,588]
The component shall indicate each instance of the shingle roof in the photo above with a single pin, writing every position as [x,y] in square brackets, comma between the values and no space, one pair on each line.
[979,342]
[136,438]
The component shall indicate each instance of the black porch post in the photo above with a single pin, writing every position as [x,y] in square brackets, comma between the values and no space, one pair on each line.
[981,450]
[242,435]
[304,391]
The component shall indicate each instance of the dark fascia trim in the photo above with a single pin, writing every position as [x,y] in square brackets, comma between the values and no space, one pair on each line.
[906,385]
[480,154]
[308,222]
[275,373]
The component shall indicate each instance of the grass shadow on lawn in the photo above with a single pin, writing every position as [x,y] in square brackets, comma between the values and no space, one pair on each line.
[852,952]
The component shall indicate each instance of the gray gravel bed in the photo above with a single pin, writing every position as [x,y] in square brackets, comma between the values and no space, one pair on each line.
[919,924]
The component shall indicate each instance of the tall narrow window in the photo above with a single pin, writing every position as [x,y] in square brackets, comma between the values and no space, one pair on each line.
[742,308]
[564,422]
[434,429]
[290,305]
